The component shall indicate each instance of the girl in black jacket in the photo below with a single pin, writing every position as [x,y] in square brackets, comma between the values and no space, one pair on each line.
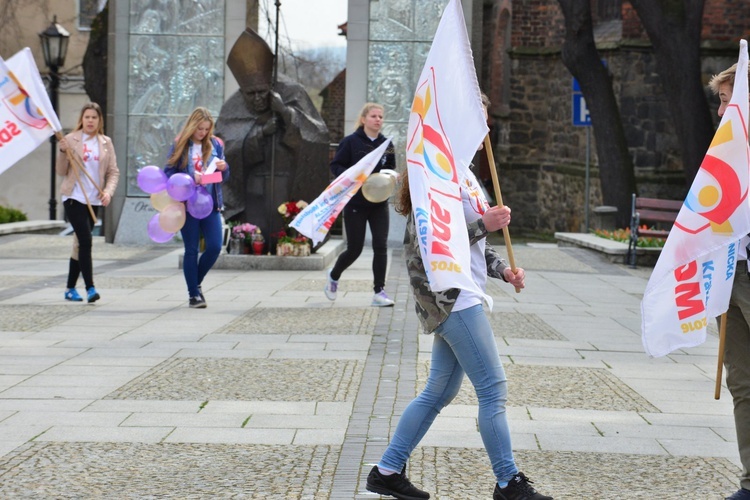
[358,212]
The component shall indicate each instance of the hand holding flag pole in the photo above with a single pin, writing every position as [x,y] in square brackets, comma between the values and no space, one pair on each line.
[499,198]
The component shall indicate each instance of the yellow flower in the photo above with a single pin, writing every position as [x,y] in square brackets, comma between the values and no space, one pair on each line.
[282,209]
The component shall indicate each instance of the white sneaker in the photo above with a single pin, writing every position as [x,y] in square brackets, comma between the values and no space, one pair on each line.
[331,286]
[381,299]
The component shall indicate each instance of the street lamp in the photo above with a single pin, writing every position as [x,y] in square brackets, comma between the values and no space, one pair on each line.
[54,47]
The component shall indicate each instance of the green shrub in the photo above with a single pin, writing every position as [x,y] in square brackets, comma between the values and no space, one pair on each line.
[11,215]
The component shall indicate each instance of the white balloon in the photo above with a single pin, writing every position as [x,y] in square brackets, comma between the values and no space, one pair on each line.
[378,187]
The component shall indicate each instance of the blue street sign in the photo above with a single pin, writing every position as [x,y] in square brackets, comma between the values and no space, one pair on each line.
[581,117]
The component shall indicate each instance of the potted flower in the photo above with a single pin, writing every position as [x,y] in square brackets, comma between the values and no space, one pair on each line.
[239,234]
[296,246]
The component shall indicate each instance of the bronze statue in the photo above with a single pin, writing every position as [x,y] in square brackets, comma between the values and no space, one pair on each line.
[276,141]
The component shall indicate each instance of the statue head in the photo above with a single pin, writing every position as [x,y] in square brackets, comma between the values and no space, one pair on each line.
[251,63]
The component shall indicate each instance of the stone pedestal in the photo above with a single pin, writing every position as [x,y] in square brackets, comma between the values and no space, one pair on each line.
[605,217]
[322,259]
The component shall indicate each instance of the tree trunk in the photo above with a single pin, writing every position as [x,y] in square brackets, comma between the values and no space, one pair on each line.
[674,28]
[95,62]
[580,56]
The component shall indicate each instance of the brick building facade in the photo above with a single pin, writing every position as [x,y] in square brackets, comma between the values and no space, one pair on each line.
[541,156]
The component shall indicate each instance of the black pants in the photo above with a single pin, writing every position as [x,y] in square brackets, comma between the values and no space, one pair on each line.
[355,225]
[80,218]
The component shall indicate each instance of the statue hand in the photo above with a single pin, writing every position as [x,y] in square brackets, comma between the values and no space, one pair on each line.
[270,127]
[277,105]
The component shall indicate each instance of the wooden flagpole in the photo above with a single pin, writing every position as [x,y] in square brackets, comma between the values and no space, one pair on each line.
[720,363]
[499,200]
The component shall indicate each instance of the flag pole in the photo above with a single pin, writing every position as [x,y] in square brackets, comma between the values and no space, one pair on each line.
[499,199]
[720,364]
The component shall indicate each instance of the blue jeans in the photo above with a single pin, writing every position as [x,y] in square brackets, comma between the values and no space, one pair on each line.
[195,269]
[463,343]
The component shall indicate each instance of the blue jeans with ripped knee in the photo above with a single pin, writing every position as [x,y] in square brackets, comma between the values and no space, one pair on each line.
[463,343]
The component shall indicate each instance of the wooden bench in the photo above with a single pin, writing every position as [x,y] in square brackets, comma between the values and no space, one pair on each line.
[659,213]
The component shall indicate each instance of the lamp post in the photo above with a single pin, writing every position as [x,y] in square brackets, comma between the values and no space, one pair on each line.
[54,47]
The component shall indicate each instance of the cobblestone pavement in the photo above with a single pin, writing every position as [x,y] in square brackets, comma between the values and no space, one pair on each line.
[273,392]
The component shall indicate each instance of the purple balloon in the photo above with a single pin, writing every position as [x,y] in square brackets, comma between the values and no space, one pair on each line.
[156,233]
[200,205]
[152,179]
[180,187]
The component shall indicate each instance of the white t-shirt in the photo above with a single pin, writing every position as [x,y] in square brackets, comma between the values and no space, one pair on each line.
[91,163]
[196,157]
[475,204]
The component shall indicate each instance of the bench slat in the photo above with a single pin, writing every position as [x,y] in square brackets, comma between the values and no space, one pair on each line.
[653,233]
[652,210]
[653,215]
[658,204]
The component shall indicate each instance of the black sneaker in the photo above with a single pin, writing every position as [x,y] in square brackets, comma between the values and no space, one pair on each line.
[200,293]
[519,488]
[197,303]
[395,485]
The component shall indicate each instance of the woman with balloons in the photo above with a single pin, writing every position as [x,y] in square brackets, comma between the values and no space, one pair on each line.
[89,168]
[196,151]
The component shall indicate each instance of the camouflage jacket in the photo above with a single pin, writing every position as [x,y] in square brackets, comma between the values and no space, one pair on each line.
[434,307]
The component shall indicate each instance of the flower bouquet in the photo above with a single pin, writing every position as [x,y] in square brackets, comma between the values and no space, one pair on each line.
[290,242]
[290,209]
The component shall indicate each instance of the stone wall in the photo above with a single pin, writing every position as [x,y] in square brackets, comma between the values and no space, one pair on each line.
[332,110]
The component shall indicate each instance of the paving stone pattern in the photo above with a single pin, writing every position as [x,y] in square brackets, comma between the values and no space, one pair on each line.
[209,379]
[276,321]
[295,397]
[558,387]
[522,326]
[345,286]
[189,471]
[574,476]
[35,318]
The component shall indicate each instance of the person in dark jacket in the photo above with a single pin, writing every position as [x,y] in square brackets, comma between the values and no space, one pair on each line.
[359,212]
[192,152]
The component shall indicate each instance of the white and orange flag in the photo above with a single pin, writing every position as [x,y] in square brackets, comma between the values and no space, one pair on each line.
[316,219]
[692,280]
[27,117]
[446,126]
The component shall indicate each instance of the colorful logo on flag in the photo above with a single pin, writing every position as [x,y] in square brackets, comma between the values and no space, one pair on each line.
[428,142]
[20,105]
[719,187]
